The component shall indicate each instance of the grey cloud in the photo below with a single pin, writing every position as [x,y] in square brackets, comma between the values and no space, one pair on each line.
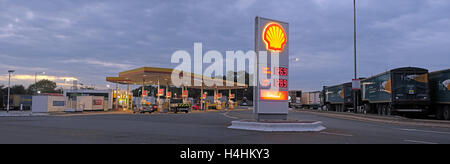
[52,34]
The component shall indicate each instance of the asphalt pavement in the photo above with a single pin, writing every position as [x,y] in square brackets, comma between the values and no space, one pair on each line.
[205,128]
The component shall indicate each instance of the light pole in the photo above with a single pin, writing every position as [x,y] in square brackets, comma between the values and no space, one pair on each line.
[35,81]
[62,86]
[9,88]
[355,99]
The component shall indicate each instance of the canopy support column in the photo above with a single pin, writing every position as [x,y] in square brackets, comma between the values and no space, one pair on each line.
[201,98]
[128,97]
[117,96]
[229,98]
[167,98]
[142,93]
[182,91]
[158,99]
[215,96]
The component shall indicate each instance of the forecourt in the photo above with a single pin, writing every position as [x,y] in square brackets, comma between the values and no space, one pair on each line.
[204,128]
[162,76]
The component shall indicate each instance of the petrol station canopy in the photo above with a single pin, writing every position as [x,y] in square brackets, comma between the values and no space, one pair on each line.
[162,76]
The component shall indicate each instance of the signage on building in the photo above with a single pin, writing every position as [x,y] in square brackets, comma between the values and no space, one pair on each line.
[97,102]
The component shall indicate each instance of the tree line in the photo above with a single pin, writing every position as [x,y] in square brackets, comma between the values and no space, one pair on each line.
[44,86]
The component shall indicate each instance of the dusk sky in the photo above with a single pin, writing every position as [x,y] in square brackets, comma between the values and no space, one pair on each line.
[90,40]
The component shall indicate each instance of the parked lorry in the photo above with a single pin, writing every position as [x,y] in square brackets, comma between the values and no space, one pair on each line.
[310,100]
[401,90]
[18,101]
[337,98]
[295,98]
[440,93]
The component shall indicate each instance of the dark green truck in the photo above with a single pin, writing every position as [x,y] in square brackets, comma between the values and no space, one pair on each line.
[401,90]
[337,98]
[440,93]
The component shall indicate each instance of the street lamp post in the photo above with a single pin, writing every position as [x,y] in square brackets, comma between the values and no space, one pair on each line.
[9,88]
[355,99]
[62,86]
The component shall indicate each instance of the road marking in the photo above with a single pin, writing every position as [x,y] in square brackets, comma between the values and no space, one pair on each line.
[421,142]
[338,134]
[426,131]
[226,115]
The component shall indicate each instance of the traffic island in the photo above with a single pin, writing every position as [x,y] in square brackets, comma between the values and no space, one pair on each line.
[278,125]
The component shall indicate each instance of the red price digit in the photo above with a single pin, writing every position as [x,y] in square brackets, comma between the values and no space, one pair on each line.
[283,71]
[281,83]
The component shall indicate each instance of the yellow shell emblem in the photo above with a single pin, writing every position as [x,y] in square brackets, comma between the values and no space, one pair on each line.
[423,78]
[274,37]
[341,93]
[446,83]
[387,86]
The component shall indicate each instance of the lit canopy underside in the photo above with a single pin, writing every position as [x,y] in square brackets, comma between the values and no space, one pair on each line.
[151,75]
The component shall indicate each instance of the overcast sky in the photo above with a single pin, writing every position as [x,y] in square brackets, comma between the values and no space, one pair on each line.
[89,40]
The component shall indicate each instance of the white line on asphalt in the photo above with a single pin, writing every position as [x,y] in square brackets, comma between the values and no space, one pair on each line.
[421,142]
[338,134]
[226,115]
[426,131]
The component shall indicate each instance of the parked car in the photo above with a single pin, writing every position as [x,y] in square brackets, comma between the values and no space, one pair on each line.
[196,106]
[145,108]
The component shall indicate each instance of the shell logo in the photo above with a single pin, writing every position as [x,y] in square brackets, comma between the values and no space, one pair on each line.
[274,37]
[419,78]
[341,93]
[446,84]
[386,85]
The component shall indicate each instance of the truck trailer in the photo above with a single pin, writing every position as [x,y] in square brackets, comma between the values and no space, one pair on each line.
[440,93]
[337,98]
[295,98]
[401,90]
[310,100]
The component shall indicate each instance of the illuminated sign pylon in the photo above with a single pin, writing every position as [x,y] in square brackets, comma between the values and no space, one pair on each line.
[271,91]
